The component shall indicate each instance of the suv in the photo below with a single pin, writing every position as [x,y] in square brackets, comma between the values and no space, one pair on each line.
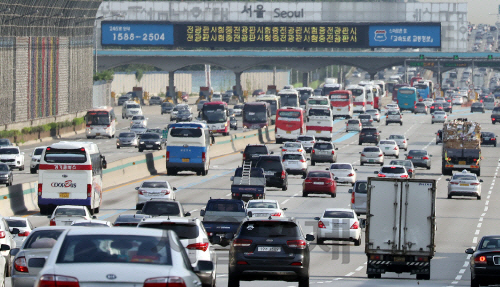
[495,115]
[420,158]
[155,100]
[274,170]
[269,250]
[392,171]
[366,119]
[131,109]
[393,117]
[35,158]
[447,106]
[13,157]
[359,196]
[307,142]
[369,135]
[323,152]
[151,141]
[420,108]
[163,207]
[252,152]
[436,107]
[166,108]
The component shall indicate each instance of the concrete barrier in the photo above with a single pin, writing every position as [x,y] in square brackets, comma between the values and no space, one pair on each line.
[22,198]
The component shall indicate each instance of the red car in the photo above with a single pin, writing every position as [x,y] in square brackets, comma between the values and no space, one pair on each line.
[319,182]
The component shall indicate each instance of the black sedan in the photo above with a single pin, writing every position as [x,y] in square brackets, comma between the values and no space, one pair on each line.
[477,107]
[150,141]
[184,116]
[485,262]
[6,175]
[488,138]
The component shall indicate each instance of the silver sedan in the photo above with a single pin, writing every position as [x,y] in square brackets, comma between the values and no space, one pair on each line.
[439,117]
[464,184]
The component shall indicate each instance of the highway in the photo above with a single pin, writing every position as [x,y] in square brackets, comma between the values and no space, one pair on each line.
[461,221]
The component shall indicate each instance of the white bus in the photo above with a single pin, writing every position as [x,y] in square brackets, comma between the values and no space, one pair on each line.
[319,122]
[317,101]
[274,102]
[100,121]
[359,96]
[289,98]
[70,173]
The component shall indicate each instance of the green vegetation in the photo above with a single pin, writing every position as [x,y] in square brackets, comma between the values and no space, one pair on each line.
[42,128]
[104,76]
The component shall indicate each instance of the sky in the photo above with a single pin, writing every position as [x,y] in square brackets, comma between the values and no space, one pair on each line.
[478,10]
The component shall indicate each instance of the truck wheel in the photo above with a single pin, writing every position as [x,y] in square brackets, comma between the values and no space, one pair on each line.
[233,281]
[371,276]
[96,210]
[204,172]
[361,163]
[304,282]
[138,206]
[378,276]
[478,173]
[21,168]
[171,171]
[449,196]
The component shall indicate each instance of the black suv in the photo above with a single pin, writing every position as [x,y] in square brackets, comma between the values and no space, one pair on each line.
[252,152]
[448,106]
[276,175]
[369,135]
[163,207]
[495,115]
[266,249]
[150,141]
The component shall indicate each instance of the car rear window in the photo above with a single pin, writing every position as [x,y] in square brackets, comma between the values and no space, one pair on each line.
[257,204]
[292,156]
[161,208]
[353,122]
[420,105]
[496,109]
[154,184]
[90,224]
[387,142]
[269,164]
[365,116]
[323,146]
[70,212]
[225,206]
[464,177]
[369,131]
[126,135]
[341,166]
[256,150]
[183,230]
[393,113]
[269,229]
[489,100]
[186,133]
[371,149]
[490,243]
[405,163]
[393,169]
[305,138]
[491,135]
[43,238]
[319,174]
[396,137]
[338,214]
[417,152]
[361,187]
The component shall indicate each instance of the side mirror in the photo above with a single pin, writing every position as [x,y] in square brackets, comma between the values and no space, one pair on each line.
[281,146]
[94,217]
[317,218]
[104,164]
[137,188]
[375,172]
[336,178]
[175,188]
[241,152]
[5,247]
[327,168]
[350,190]
[249,214]
[231,178]
[468,250]
[202,212]
[379,132]
[355,169]
[14,251]
[15,231]
[360,152]
[447,179]
[407,139]
[480,180]
[430,155]
[22,153]
[406,154]
[309,237]
[49,216]
[336,148]
[187,214]
[31,154]
[303,176]
[229,236]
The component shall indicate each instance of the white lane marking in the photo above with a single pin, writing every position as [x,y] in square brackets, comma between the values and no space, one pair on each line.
[466,263]
[488,197]
[480,219]
[477,232]
[458,278]
[486,208]
[474,240]
[462,271]
[487,202]
[483,214]
[349,274]
[469,255]
[454,282]
[285,201]
[228,194]
[359,268]
[193,210]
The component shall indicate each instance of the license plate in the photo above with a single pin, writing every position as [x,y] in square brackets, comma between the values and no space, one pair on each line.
[247,195]
[288,132]
[260,215]
[339,109]
[319,183]
[486,139]
[63,194]
[461,162]
[269,249]
[464,184]
[318,132]
[406,104]
[149,146]
[399,259]
[185,160]
[292,162]
[371,160]
[269,172]
[98,134]
[387,148]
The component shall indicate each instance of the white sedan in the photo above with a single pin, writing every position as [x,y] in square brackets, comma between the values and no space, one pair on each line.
[292,147]
[457,100]
[154,189]
[141,120]
[339,224]
[392,107]
[265,208]
[24,226]
[464,184]
[389,148]
[343,173]
[439,117]
[66,214]
[428,102]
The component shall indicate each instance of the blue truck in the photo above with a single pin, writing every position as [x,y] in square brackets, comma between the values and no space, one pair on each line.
[222,218]
[248,183]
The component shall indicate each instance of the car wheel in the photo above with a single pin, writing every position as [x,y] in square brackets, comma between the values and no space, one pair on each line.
[381,164]
[304,194]
[401,123]
[233,281]
[478,197]
[386,123]
[397,156]
[171,171]
[285,187]
[140,149]
[304,282]
[138,206]
[449,196]
[432,122]
[313,163]
[117,147]
[357,242]
[320,241]
[204,172]
[361,163]
[333,195]
[429,167]
[493,122]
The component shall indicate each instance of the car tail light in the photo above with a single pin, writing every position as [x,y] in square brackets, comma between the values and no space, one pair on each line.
[276,214]
[2,234]
[381,175]
[20,264]
[321,224]
[377,133]
[166,191]
[39,189]
[493,119]
[168,156]
[244,156]
[313,151]
[283,174]
[51,280]
[283,149]
[203,156]
[362,154]
[172,281]
[409,157]
[433,117]
[404,141]
[355,225]
[410,170]
[404,176]
[480,260]
[300,150]
[425,157]
[23,234]
[454,183]
[351,174]
[283,160]
[89,190]
[296,264]
[396,148]
[353,198]
[302,160]
[298,244]
[88,126]
[241,263]
[242,242]
[52,222]
[198,246]
[475,183]
[381,155]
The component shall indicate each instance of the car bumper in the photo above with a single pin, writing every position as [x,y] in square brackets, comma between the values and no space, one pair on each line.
[421,163]
[186,166]
[274,182]
[322,158]
[488,274]
[464,191]
[345,179]
[319,189]
[358,210]
[120,144]
[368,140]
[347,235]
[149,146]
[270,269]
[4,180]
[378,160]
[22,280]
[489,142]
[391,152]
[293,170]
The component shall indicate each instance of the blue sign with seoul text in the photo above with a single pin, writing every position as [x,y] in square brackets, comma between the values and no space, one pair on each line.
[400,36]
[136,34]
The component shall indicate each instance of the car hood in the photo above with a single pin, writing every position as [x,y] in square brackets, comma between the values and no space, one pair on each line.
[4,172]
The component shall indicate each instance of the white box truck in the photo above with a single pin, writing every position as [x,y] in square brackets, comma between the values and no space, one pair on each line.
[400,226]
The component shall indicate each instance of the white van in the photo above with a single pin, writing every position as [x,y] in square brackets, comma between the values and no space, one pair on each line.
[217,97]
[130,109]
[319,122]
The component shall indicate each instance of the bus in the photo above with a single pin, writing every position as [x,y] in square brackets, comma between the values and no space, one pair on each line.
[305,93]
[359,95]
[369,94]
[188,148]
[216,115]
[256,115]
[328,88]
[289,124]
[100,121]
[423,89]
[395,91]
[70,173]
[317,101]
[289,98]
[377,96]
[319,122]
[407,98]
[415,80]
[274,103]
[342,104]
[382,87]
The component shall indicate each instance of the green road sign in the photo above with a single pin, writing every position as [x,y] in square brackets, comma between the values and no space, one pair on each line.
[455,64]
[491,64]
[421,64]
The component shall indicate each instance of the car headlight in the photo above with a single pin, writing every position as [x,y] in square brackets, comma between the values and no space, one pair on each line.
[141,142]
[4,175]
[157,142]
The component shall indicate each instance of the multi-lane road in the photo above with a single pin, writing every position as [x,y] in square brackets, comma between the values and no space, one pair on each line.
[461,221]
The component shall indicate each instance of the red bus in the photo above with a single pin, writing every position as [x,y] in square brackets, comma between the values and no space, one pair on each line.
[342,104]
[216,114]
[395,91]
[289,124]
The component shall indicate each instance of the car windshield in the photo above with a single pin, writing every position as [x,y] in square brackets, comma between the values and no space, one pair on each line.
[103,248]
[490,243]
[371,149]
[150,136]
[269,229]
[338,214]
[292,156]
[161,208]
[392,169]
[154,184]
[126,135]
[4,167]
[256,150]
[318,174]
[262,205]
[187,133]
[133,106]
[70,212]
[138,127]
[9,151]
[340,166]
[463,177]
[38,151]
[42,238]
[417,153]
[134,118]
[396,137]
[183,230]
[371,111]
